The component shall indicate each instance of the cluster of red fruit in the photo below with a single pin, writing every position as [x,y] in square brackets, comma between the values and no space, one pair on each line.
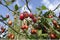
[55,24]
[25,27]
[26,15]
[53,35]
[54,21]
[10,36]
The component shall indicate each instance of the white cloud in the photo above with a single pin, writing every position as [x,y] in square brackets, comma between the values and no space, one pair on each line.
[57,11]
[24,8]
[46,1]
[48,4]
[52,5]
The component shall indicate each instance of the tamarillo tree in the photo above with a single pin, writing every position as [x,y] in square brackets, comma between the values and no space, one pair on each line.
[27,25]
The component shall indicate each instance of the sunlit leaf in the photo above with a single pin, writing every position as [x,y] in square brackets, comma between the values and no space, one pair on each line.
[43,7]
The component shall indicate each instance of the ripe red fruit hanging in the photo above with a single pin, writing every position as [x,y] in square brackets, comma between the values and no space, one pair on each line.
[2,30]
[34,19]
[25,14]
[24,27]
[7,16]
[54,22]
[57,26]
[33,31]
[11,36]
[10,22]
[53,36]
[50,16]
[31,15]
[21,16]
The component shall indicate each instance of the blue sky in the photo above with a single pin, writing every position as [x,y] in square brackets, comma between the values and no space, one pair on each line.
[50,4]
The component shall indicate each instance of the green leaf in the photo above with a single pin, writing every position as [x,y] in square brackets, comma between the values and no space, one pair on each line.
[43,7]
[4,19]
[47,13]
[40,13]
[48,19]
[39,32]
[45,35]
[38,9]
[43,20]
[16,7]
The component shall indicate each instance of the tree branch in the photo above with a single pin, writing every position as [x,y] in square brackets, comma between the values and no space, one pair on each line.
[56,7]
[10,27]
[7,7]
[27,5]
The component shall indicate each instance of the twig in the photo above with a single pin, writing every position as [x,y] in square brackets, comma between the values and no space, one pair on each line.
[56,7]
[27,5]
[8,8]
